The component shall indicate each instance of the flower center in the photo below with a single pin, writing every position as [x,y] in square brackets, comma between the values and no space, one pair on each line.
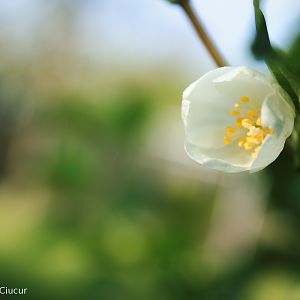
[248,130]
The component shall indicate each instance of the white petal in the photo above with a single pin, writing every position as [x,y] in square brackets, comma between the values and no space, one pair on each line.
[243,81]
[277,114]
[205,112]
[229,159]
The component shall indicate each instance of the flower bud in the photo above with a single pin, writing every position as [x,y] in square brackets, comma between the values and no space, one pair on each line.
[236,119]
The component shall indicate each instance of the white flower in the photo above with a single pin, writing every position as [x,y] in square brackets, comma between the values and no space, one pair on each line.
[236,119]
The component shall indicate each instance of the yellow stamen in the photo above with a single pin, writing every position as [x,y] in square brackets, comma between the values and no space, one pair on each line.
[251,139]
[230,130]
[241,142]
[254,131]
[252,113]
[238,105]
[245,99]
[239,122]
[248,127]
[254,154]
[258,122]
[227,140]
[248,146]
[246,123]
[269,131]
[234,112]
[260,136]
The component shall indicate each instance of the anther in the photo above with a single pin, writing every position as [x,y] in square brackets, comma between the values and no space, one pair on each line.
[241,142]
[227,140]
[251,139]
[234,112]
[248,146]
[269,131]
[258,122]
[238,105]
[254,154]
[245,99]
[246,123]
[230,130]
[239,122]
[248,126]
[252,113]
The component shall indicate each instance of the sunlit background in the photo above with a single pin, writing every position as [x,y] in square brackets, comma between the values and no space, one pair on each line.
[97,198]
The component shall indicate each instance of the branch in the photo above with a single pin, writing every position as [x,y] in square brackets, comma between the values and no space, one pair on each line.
[186,6]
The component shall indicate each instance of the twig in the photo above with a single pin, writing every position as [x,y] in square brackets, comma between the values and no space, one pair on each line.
[186,6]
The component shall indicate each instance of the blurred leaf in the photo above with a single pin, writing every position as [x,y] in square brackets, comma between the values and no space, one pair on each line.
[121,118]
[72,168]
[293,57]
[126,118]
[262,49]
[283,79]
[72,114]
[295,143]
[261,46]
[291,61]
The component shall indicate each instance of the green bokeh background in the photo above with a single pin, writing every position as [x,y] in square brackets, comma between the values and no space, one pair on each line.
[99,201]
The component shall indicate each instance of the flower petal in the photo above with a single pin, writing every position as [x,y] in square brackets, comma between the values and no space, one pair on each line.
[243,81]
[228,159]
[277,114]
[205,112]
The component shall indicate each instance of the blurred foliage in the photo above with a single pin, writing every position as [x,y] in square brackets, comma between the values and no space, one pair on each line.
[261,45]
[263,49]
[86,213]
[112,229]
[285,67]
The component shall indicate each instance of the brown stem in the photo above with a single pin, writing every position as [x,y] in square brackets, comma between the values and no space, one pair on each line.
[185,4]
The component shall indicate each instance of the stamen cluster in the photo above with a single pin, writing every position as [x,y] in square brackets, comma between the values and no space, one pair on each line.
[248,131]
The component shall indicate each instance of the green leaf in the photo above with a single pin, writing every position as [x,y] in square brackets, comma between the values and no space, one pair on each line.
[294,142]
[283,80]
[261,46]
[291,60]
[262,49]
[293,57]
